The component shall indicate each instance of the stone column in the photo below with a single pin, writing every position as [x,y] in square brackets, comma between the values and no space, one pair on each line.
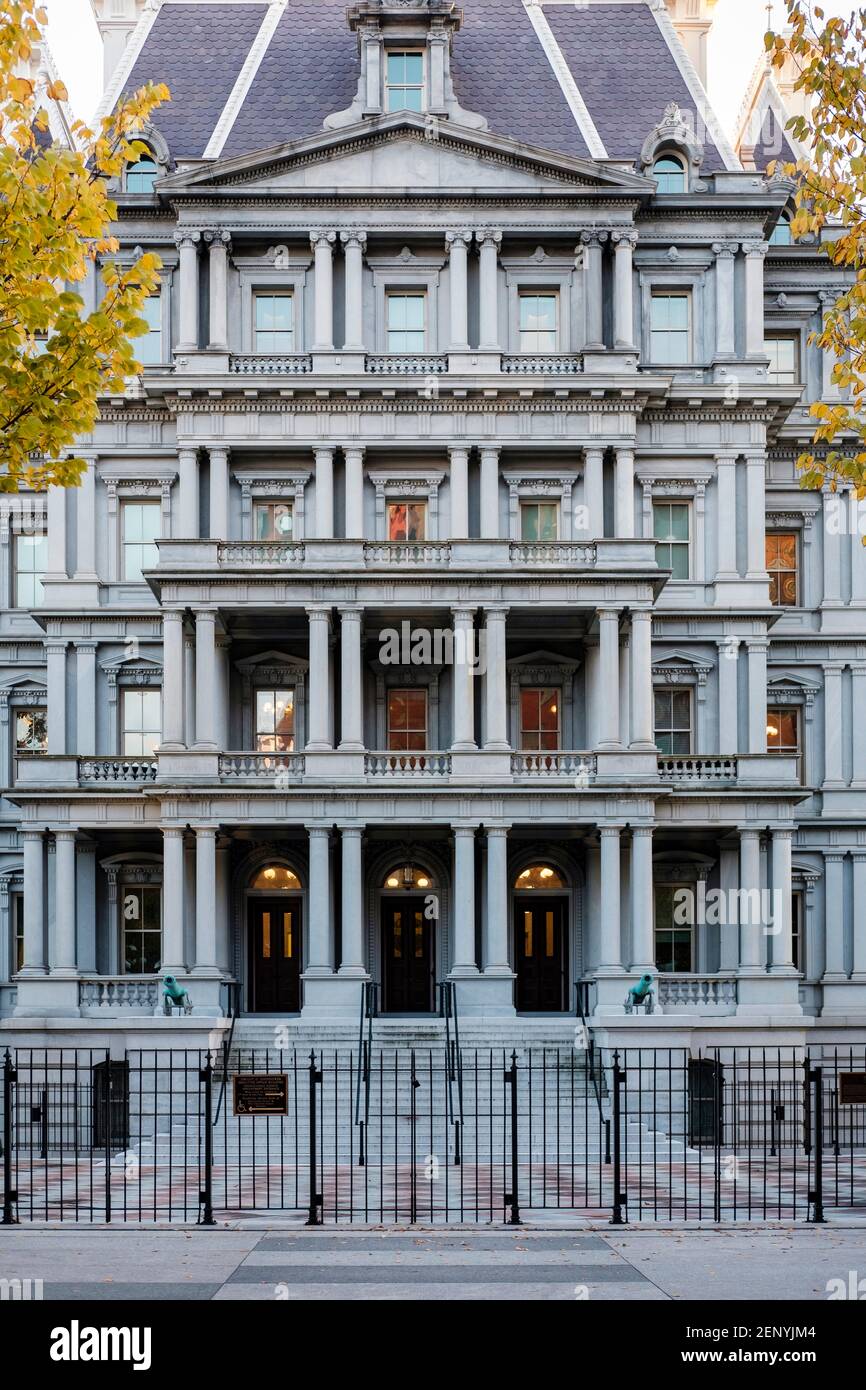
[322,243]
[756,516]
[459,476]
[833,518]
[642,901]
[464,901]
[354,493]
[351,680]
[726,516]
[223,893]
[624,493]
[755,253]
[783,946]
[172,901]
[55,676]
[463,681]
[859,914]
[829,387]
[833,724]
[858,705]
[495,682]
[33,851]
[642,720]
[172,679]
[489,494]
[592,242]
[85,517]
[725,339]
[352,919]
[186,522]
[610,947]
[205,678]
[729,739]
[320,958]
[187,244]
[324,494]
[608,712]
[756,648]
[750,900]
[56,507]
[320,679]
[624,244]
[489,242]
[220,244]
[458,263]
[834,918]
[593,491]
[205,902]
[219,494]
[223,692]
[495,945]
[85,699]
[354,244]
[65,957]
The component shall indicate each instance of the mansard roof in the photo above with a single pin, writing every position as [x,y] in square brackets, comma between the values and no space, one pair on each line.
[589,81]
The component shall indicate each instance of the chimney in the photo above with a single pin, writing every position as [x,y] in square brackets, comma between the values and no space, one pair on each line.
[693,20]
[116,20]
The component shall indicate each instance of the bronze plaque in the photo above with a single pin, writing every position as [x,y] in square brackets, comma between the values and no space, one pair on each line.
[261,1093]
[852,1088]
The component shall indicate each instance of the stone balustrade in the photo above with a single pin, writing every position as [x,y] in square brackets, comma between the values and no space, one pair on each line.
[111,994]
[110,770]
[270,364]
[710,768]
[577,767]
[543,364]
[278,768]
[697,993]
[403,765]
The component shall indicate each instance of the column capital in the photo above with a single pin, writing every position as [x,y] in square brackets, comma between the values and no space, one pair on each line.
[218,239]
[458,450]
[64,832]
[322,237]
[318,832]
[353,451]
[471,827]
[203,832]
[354,238]
[593,236]
[351,613]
[185,239]
[496,610]
[750,832]
[319,611]
[724,250]
[460,238]
[644,832]
[755,249]
[349,829]
[489,450]
[488,236]
[499,830]
[463,614]
[625,239]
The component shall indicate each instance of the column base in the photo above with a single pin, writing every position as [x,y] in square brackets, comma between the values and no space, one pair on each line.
[46,996]
[843,995]
[611,986]
[330,997]
[485,995]
[762,993]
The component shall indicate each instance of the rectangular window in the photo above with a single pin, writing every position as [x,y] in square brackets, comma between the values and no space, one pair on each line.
[674,918]
[539,322]
[273,521]
[404,82]
[141,720]
[148,348]
[670,327]
[406,322]
[142,525]
[671,530]
[783,350]
[31,562]
[673,721]
[275,721]
[407,720]
[407,521]
[783,731]
[781,552]
[141,932]
[31,731]
[540,719]
[274,324]
[18,944]
[539,521]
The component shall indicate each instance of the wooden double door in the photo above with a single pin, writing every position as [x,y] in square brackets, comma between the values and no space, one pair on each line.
[274,934]
[408,956]
[541,953]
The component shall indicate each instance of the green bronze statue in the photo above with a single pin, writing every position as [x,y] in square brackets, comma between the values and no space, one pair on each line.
[640,994]
[174,996]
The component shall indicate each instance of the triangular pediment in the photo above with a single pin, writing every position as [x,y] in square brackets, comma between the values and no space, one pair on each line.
[403,153]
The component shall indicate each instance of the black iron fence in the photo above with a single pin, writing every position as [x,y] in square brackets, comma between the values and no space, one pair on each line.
[449,1134]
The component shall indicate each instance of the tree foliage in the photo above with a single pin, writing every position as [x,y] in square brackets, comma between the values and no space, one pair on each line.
[829,55]
[55,227]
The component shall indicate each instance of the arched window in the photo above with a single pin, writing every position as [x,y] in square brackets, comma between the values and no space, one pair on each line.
[276,878]
[670,174]
[407,876]
[781,233]
[141,176]
[539,876]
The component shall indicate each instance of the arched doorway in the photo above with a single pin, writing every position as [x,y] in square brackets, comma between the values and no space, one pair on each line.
[541,929]
[408,915]
[274,941]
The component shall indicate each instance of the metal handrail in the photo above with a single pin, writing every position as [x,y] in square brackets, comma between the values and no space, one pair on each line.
[369,1011]
[453,1060]
[234,996]
[581,988]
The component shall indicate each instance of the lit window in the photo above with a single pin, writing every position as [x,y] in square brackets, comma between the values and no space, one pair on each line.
[148,348]
[671,338]
[273,521]
[673,721]
[669,174]
[406,322]
[141,723]
[141,528]
[539,876]
[31,562]
[783,732]
[141,176]
[274,323]
[781,233]
[540,719]
[539,521]
[408,876]
[783,351]
[140,915]
[539,322]
[404,82]
[31,731]
[407,521]
[781,552]
[407,720]
[277,878]
[275,721]
[671,532]
[674,917]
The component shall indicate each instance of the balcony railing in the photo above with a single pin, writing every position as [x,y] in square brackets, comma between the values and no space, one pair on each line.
[697,993]
[408,364]
[138,994]
[552,553]
[421,553]
[276,768]
[544,364]
[124,770]
[578,767]
[401,765]
[698,769]
[276,553]
[270,364]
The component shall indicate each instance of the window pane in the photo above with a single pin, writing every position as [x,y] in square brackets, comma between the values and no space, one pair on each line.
[273,521]
[31,561]
[141,176]
[31,731]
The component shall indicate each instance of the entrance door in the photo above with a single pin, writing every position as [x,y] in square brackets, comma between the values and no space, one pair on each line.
[407,947]
[541,954]
[274,928]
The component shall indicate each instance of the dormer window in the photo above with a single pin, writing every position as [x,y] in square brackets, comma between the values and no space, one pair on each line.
[781,233]
[669,172]
[404,81]
[141,176]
